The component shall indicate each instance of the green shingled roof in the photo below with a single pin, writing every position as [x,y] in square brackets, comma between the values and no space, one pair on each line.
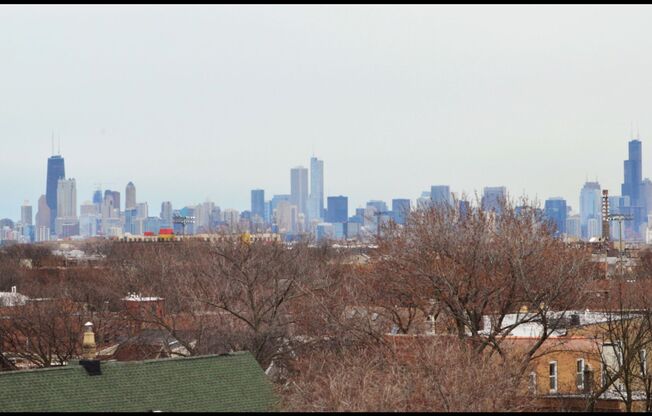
[216,383]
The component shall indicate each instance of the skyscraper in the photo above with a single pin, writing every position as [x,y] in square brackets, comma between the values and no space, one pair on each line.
[441,194]
[338,209]
[555,211]
[66,223]
[258,203]
[115,197]
[299,189]
[400,210]
[130,196]
[26,214]
[316,199]
[632,187]
[66,198]
[166,214]
[56,171]
[43,218]
[590,207]
[493,197]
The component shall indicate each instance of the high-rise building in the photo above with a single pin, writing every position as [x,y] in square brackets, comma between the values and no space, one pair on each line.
[26,216]
[400,210]
[338,209]
[299,189]
[441,194]
[424,200]
[316,199]
[66,198]
[555,211]
[493,197]
[115,196]
[258,203]
[166,214]
[590,207]
[97,197]
[130,196]
[42,218]
[573,227]
[632,187]
[66,223]
[56,171]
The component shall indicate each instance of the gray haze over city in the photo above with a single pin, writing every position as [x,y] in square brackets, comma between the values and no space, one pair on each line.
[208,102]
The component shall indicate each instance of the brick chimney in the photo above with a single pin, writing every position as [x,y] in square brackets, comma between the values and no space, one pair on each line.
[88,344]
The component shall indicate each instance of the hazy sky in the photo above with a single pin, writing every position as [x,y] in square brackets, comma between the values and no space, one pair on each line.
[197,102]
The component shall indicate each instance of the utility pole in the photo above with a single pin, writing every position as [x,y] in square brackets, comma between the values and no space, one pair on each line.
[620,218]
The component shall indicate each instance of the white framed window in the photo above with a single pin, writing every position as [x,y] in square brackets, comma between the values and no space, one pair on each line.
[533,383]
[579,377]
[552,370]
[642,358]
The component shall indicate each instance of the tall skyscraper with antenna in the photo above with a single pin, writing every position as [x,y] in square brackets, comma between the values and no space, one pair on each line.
[56,171]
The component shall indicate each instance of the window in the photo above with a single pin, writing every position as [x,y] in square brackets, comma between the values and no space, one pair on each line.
[553,376]
[579,377]
[533,383]
[642,357]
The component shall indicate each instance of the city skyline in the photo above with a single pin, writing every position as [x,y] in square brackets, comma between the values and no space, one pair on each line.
[392,112]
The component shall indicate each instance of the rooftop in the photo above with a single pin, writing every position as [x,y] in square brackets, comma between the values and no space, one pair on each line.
[216,383]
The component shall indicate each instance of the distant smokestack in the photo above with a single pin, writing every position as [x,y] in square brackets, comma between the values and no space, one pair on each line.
[605,215]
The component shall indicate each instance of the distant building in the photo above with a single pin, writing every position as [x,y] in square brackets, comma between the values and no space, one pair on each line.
[130,196]
[26,216]
[424,200]
[493,197]
[590,206]
[441,194]
[316,198]
[338,209]
[258,203]
[555,211]
[166,214]
[56,171]
[400,210]
[573,226]
[299,189]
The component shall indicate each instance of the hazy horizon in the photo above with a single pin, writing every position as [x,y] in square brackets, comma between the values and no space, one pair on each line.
[208,102]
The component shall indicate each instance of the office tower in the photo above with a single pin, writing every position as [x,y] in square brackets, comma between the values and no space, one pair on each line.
[42,218]
[573,227]
[400,210]
[286,217]
[316,199]
[299,189]
[441,194]
[66,198]
[56,171]
[493,197]
[97,197]
[555,212]
[26,216]
[324,231]
[130,196]
[646,195]
[108,210]
[232,219]
[88,208]
[424,200]
[268,212]
[166,214]
[258,203]
[632,187]
[380,206]
[115,197]
[338,209]
[66,223]
[278,198]
[203,216]
[590,207]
